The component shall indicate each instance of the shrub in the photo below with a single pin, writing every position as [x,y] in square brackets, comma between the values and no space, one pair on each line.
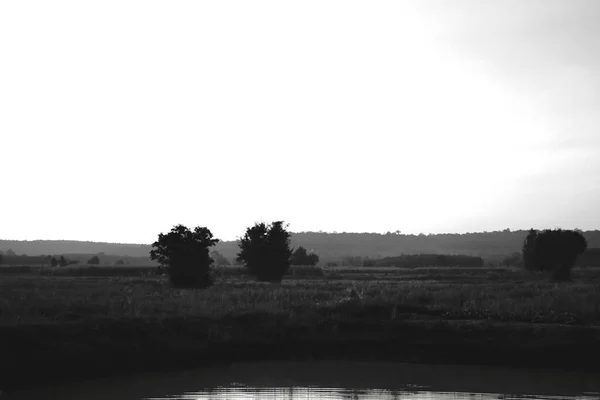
[265,251]
[184,256]
[94,260]
[553,250]
[219,258]
[514,260]
[301,257]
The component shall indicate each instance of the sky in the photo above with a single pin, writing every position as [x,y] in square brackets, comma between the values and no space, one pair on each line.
[121,119]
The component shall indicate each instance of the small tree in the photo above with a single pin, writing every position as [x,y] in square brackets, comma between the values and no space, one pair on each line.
[514,260]
[94,260]
[301,257]
[553,250]
[265,251]
[528,251]
[63,261]
[219,258]
[120,262]
[184,256]
[53,262]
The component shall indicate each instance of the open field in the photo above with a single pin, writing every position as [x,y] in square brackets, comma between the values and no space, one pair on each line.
[136,320]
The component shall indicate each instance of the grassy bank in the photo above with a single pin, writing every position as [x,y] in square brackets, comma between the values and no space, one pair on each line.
[60,327]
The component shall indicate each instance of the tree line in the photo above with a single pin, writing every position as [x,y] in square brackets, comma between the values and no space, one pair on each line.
[265,251]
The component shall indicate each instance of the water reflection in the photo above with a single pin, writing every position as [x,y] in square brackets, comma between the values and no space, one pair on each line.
[323,393]
[330,380]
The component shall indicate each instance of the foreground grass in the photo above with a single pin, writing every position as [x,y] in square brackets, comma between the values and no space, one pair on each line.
[497,316]
[518,297]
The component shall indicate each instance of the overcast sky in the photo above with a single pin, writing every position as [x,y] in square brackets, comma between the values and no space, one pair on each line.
[120,119]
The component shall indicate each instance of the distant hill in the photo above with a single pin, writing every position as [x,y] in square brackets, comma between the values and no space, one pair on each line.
[491,246]
[44,247]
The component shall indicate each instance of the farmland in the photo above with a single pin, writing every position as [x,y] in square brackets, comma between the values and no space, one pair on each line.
[128,318]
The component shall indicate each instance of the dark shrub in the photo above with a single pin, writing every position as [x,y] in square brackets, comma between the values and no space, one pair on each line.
[184,256]
[553,250]
[265,251]
[301,257]
[94,260]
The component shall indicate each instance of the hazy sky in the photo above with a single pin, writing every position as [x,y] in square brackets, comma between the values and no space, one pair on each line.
[120,119]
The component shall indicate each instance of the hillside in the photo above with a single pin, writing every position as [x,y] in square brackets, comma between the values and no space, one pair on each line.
[492,246]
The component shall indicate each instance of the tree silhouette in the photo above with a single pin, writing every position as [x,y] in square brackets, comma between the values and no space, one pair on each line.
[94,260]
[553,250]
[265,251]
[184,256]
[219,258]
[53,262]
[528,250]
[63,261]
[301,257]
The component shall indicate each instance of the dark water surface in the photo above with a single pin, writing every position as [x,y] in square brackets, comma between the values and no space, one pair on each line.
[331,380]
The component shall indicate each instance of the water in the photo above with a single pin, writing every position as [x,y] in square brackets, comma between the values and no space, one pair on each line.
[331,380]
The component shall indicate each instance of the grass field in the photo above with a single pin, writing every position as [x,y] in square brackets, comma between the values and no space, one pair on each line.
[89,313]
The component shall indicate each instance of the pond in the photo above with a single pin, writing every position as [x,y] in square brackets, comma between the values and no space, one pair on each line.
[331,380]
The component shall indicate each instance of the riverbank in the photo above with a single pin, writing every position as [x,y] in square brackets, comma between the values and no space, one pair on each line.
[65,328]
[48,354]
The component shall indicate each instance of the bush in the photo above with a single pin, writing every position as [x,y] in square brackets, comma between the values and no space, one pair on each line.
[94,260]
[302,257]
[429,260]
[219,258]
[514,260]
[553,250]
[184,256]
[265,251]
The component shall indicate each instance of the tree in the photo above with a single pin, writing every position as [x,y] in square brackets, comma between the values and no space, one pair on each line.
[120,262]
[63,261]
[10,252]
[265,251]
[301,257]
[184,256]
[514,260]
[553,250]
[528,250]
[53,262]
[94,260]
[219,258]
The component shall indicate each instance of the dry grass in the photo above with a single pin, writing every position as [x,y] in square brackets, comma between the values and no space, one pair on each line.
[504,295]
[53,325]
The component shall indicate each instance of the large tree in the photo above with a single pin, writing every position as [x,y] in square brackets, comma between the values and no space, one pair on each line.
[265,251]
[184,256]
[528,250]
[554,250]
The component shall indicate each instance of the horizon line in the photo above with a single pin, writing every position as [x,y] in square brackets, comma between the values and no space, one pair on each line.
[394,233]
